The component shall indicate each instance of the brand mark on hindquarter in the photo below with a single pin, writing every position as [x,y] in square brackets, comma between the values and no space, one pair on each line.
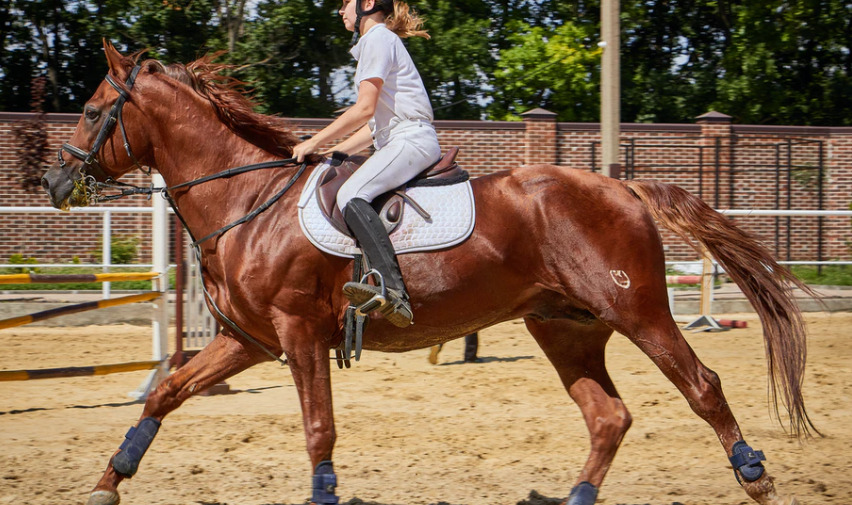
[620,278]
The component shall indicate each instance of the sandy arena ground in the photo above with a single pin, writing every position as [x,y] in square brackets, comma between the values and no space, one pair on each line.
[413,433]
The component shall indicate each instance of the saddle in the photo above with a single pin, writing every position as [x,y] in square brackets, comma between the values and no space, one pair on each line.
[390,205]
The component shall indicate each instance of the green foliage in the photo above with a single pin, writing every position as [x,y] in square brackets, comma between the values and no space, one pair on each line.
[807,176]
[123,250]
[172,30]
[828,275]
[555,69]
[787,62]
[456,62]
[776,62]
[20,259]
[294,50]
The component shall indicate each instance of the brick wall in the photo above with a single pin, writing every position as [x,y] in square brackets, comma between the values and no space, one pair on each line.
[58,238]
[729,166]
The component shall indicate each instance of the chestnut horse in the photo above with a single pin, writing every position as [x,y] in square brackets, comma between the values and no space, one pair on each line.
[575,254]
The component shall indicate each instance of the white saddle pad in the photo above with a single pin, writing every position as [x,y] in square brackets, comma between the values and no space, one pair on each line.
[450,207]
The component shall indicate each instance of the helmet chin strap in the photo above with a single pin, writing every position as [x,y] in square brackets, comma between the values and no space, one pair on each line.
[359,13]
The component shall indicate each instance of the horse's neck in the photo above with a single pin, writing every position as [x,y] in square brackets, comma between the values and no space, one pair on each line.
[192,151]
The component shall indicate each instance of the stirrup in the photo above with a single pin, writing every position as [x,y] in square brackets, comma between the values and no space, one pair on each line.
[366,298]
[378,300]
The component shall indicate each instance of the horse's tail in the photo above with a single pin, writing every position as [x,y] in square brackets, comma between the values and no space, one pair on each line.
[764,282]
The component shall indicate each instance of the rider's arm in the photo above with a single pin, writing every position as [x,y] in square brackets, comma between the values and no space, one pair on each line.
[354,118]
[359,141]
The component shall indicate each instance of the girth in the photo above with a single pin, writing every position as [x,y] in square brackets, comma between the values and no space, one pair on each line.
[390,205]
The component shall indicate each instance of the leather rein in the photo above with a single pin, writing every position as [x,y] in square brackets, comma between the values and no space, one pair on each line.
[91,169]
[90,188]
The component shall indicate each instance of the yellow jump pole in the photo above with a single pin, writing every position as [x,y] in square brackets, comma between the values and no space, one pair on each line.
[73,309]
[61,278]
[75,371]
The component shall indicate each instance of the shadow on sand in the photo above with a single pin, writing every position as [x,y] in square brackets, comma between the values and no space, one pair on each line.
[128,403]
[534,499]
[487,359]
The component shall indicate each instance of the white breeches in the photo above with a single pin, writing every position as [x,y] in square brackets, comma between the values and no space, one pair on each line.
[408,149]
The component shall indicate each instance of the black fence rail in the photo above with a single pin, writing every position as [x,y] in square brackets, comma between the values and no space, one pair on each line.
[739,171]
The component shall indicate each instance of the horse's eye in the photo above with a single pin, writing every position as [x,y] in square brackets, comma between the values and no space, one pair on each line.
[92,114]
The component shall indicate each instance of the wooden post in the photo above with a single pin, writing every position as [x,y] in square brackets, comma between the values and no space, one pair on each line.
[610,87]
[705,321]
[706,305]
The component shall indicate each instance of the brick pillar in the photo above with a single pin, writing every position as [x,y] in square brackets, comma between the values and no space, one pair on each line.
[838,187]
[714,124]
[540,137]
[717,161]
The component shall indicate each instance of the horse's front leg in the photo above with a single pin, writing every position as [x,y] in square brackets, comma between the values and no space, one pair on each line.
[222,358]
[310,365]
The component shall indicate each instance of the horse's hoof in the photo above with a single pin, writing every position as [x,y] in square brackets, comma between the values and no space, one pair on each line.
[433,354]
[103,498]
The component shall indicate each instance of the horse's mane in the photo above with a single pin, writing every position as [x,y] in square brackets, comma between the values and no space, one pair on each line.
[228,97]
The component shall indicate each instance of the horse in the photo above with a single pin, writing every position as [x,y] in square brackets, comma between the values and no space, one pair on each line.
[575,254]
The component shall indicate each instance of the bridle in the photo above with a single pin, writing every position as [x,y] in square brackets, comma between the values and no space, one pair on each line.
[89,186]
[91,171]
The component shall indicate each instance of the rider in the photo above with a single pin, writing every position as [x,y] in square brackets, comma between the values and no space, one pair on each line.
[393,113]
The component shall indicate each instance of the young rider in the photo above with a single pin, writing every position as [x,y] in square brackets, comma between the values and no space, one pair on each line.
[393,113]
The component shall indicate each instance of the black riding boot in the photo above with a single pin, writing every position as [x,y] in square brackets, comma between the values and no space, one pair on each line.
[373,239]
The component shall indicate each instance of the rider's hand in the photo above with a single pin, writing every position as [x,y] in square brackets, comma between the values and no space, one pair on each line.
[306,148]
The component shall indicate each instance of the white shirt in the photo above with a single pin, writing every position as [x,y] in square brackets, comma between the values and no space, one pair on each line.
[381,54]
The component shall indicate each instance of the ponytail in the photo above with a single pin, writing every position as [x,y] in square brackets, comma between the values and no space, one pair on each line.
[405,22]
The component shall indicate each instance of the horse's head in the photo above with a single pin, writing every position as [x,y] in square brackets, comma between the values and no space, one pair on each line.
[183,110]
[99,149]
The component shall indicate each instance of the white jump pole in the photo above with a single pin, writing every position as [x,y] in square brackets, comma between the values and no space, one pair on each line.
[160,318]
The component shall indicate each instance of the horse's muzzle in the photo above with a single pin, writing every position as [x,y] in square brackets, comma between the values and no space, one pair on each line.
[59,185]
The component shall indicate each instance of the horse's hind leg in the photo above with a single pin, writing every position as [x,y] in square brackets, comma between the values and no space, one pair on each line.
[576,350]
[222,358]
[657,335]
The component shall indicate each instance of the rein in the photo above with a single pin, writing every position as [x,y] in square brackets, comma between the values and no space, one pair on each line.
[87,189]
[129,189]
[196,244]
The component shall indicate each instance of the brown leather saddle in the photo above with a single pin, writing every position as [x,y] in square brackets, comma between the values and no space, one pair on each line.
[390,205]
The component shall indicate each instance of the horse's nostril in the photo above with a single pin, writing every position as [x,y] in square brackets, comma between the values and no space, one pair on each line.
[45,184]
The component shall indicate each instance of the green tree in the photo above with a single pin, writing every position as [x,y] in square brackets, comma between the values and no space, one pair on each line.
[17,65]
[556,69]
[297,54]
[779,61]
[652,41]
[61,39]
[789,62]
[456,62]
[34,42]
[172,30]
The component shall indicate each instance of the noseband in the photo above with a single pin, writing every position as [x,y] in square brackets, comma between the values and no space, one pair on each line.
[87,188]
[91,170]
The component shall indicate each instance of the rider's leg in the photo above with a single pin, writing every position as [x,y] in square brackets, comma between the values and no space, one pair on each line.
[411,148]
[374,241]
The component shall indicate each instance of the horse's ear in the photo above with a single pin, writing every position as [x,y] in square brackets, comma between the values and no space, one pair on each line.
[115,60]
